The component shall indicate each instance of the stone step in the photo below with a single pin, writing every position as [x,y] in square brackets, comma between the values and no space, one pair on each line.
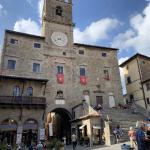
[124,118]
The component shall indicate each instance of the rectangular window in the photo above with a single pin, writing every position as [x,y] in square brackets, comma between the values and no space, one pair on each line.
[81,52]
[148,86]
[127,67]
[148,100]
[11,64]
[36,67]
[104,54]
[37,45]
[82,71]
[13,41]
[99,100]
[128,80]
[60,70]
[106,74]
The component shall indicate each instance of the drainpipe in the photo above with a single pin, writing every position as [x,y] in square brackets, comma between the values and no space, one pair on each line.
[44,88]
[20,118]
[139,70]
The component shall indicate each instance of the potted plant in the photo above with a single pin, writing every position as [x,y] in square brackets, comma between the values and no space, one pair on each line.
[55,145]
[58,145]
[3,145]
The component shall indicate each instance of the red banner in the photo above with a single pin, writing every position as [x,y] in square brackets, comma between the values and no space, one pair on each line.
[60,78]
[83,80]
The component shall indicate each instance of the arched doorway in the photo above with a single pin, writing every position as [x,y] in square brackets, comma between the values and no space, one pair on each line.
[30,132]
[8,131]
[58,124]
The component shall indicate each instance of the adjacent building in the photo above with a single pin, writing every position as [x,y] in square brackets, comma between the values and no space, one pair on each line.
[43,77]
[137,75]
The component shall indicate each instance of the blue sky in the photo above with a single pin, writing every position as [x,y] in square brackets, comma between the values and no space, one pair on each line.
[109,17]
[124,24]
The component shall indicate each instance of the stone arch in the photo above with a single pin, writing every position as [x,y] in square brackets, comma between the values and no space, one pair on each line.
[8,130]
[60,121]
[63,109]
[9,121]
[30,131]
[30,121]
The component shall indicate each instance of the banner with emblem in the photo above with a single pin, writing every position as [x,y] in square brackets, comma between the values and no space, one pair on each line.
[83,80]
[60,78]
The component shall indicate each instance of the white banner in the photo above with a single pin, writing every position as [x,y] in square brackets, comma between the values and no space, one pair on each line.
[19,138]
[42,134]
[50,129]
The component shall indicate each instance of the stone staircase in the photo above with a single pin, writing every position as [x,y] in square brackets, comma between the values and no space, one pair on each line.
[124,118]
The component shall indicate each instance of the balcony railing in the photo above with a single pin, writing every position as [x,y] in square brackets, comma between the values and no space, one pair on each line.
[22,101]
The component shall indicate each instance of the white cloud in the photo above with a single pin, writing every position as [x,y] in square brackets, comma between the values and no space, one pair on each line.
[27,26]
[2,10]
[137,36]
[40,8]
[95,31]
[121,60]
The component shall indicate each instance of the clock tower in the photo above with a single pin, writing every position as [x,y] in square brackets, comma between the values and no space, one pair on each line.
[57,25]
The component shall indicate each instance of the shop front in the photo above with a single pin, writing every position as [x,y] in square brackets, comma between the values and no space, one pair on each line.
[88,130]
[30,132]
[96,130]
[8,131]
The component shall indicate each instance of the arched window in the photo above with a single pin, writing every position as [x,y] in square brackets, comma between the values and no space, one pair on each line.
[59,11]
[59,95]
[9,122]
[16,91]
[29,91]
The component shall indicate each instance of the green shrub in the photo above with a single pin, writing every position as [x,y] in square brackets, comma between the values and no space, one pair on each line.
[58,145]
[3,145]
[54,143]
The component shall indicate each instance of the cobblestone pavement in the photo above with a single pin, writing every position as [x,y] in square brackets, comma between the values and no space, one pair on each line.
[113,147]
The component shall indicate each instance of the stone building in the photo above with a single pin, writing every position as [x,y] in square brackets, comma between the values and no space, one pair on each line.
[146,85]
[43,77]
[137,73]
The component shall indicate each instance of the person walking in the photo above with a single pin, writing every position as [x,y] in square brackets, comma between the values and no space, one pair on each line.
[118,133]
[141,138]
[74,141]
[132,136]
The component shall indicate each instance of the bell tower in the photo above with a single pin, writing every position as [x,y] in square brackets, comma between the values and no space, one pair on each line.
[57,25]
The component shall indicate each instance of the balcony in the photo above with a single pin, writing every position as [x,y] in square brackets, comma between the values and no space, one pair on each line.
[22,102]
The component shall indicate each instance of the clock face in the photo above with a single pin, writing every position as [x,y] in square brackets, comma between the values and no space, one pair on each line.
[59,38]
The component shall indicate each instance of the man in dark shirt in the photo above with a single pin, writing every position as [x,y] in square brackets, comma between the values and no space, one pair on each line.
[141,138]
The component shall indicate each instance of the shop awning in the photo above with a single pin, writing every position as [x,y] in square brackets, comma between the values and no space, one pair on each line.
[81,127]
[96,127]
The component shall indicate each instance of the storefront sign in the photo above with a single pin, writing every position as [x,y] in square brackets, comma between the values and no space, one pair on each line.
[42,134]
[50,129]
[19,138]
